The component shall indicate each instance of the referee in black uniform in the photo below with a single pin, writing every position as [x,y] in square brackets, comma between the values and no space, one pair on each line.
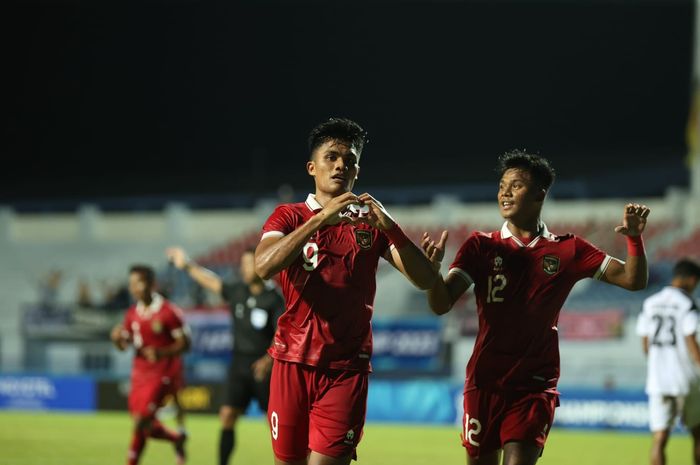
[255,306]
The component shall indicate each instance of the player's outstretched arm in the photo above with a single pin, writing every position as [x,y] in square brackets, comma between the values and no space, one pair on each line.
[444,292]
[412,263]
[273,254]
[203,276]
[633,274]
[405,256]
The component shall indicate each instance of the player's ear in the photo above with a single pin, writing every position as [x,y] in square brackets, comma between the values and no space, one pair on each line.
[357,174]
[541,194]
[311,168]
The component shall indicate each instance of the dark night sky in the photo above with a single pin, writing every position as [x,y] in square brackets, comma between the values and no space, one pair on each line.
[218,97]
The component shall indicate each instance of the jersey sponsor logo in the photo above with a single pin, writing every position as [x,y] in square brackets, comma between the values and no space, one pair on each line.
[349,436]
[363,238]
[550,264]
[157,326]
[497,263]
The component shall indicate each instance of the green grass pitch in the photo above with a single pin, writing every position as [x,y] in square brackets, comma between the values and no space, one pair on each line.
[80,439]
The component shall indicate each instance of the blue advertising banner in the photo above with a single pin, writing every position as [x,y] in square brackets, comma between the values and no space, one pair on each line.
[440,402]
[413,344]
[211,335]
[415,401]
[601,409]
[47,393]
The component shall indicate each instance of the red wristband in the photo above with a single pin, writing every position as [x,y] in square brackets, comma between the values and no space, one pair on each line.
[635,246]
[397,236]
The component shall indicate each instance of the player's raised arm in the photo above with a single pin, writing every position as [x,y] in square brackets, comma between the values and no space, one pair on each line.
[405,255]
[444,292]
[633,274]
[273,254]
[203,276]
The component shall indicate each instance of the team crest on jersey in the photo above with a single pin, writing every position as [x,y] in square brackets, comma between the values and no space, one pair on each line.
[157,326]
[550,264]
[363,238]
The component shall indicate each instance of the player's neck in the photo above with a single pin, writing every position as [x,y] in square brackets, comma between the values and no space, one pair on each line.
[324,197]
[525,229]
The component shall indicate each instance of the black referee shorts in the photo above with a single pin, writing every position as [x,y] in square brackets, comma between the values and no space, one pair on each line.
[242,387]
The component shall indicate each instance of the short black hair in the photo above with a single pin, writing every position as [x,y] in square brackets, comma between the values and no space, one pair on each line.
[686,268]
[342,129]
[539,168]
[147,273]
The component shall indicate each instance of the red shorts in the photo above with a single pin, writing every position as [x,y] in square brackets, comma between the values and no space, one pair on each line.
[148,391]
[314,409]
[492,419]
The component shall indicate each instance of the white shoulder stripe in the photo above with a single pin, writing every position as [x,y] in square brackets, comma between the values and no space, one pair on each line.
[462,274]
[272,234]
[604,266]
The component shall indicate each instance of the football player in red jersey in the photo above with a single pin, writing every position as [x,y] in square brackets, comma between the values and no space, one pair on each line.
[327,250]
[156,329]
[522,274]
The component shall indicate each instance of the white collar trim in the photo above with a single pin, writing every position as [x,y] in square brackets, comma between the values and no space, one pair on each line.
[155,306]
[543,232]
[312,203]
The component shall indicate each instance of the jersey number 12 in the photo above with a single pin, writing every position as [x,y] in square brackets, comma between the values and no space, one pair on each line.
[495,285]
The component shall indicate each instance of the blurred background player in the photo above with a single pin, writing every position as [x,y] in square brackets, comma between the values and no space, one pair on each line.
[255,306]
[156,329]
[327,250]
[668,326]
[522,276]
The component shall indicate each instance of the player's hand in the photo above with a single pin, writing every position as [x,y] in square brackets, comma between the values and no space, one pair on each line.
[177,256]
[261,367]
[634,220]
[119,334]
[120,337]
[150,354]
[116,333]
[434,252]
[331,213]
[377,217]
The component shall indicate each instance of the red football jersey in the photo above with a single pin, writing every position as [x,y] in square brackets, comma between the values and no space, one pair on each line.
[328,291]
[520,290]
[155,326]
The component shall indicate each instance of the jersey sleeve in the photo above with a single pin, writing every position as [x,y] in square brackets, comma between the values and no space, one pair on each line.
[385,245]
[281,222]
[176,323]
[591,262]
[644,326]
[228,292]
[127,331]
[689,324]
[465,262]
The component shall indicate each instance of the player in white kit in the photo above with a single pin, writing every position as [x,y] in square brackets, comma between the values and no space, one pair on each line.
[668,325]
